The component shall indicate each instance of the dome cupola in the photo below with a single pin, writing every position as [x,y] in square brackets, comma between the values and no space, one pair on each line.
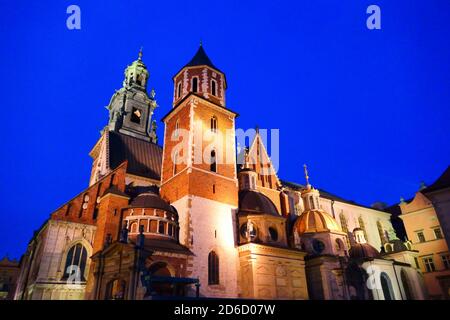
[136,74]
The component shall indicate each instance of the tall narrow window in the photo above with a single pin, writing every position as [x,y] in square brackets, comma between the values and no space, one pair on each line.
[214,124]
[213,165]
[343,220]
[179,90]
[213,268]
[213,87]
[162,227]
[68,209]
[381,232]
[177,127]
[175,163]
[446,261]
[194,84]
[75,262]
[362,225]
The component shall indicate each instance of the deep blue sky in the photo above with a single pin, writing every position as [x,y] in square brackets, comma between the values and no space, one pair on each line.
[367,110]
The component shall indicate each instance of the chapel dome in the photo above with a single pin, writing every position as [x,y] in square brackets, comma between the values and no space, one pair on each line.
[255,202]
[363,250]
[150,200]
[316,220]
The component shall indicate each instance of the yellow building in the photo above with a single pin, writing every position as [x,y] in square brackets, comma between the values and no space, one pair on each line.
[424,231]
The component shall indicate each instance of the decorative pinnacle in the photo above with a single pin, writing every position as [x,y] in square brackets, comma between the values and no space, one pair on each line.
[305,168]
[201,43]
[140,54]
[246,159]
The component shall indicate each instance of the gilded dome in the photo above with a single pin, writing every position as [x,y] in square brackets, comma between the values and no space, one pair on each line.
[311,221]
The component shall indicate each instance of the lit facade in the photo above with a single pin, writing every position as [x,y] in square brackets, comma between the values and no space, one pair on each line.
[186,219]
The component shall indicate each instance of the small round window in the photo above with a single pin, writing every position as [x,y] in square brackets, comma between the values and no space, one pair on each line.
[273,234]
[318,246]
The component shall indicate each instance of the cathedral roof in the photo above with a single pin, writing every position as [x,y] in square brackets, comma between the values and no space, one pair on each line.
[442,182]
[150,200]
[144,158]
[256,202]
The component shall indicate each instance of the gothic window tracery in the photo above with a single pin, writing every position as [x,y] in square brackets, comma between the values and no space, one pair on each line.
[75,263]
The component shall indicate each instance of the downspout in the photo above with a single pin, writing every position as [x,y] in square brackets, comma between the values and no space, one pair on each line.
[398,283]
[332,209]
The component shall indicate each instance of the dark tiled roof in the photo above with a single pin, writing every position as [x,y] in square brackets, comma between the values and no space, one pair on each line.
[442,182]
[363,251]
[144,158]
[115,190]
[200,59]
[256,202]
[323,193]
[150,200]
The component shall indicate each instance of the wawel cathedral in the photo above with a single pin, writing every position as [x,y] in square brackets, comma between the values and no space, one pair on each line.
[155,222]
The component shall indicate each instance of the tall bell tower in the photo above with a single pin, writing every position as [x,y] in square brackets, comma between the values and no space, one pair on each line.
[199,174]
[131,107]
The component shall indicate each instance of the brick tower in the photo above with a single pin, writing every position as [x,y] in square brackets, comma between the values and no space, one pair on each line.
[199,174]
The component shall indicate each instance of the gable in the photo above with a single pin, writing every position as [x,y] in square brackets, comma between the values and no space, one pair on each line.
[81,208]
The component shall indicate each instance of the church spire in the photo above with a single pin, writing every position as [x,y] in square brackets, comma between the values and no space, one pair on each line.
[305,169]
[131,108]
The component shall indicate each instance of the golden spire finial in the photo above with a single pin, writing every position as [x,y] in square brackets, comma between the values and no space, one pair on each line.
[140,53]
[305,168]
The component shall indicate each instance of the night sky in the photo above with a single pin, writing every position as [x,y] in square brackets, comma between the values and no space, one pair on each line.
[367,110]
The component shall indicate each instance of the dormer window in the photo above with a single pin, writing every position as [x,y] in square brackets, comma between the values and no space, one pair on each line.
[136,116]
[194,84]
[213,87]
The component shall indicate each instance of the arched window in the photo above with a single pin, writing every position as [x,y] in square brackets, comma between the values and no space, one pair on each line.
[362,225]
[213,87]
[115,290]
[381,232]
[406,285]
[134,227]
[179,90]
[386,285]
[160,269]
[214,124]
[213,165]
[273,234]
[75,263]
[339,245]
[194,84]
[213,268]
